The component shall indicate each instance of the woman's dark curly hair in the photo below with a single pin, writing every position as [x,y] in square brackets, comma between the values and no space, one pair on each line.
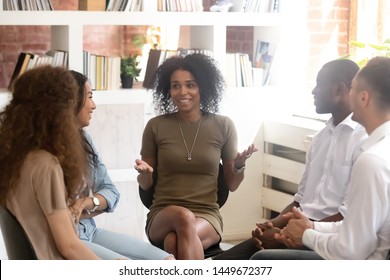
[207,76]
[81,80]
[41,116]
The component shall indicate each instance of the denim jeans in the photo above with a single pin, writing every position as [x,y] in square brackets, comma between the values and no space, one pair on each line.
[111,245]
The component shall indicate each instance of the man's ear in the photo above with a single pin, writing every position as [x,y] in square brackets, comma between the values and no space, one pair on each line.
[342,88]
[365,98]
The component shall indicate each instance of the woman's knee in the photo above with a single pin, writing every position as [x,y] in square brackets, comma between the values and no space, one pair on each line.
[175,219]
[182,217]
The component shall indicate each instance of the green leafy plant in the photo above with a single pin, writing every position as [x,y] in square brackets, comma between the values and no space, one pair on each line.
[138,41]
[370,50]
[130,66]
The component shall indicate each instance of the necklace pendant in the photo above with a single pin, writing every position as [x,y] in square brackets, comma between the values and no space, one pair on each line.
[189,152]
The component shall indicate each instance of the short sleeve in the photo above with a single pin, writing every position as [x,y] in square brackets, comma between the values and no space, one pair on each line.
[49,186]
[149,147]
[229,149]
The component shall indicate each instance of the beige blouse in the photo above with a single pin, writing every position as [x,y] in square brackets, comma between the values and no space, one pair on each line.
[40,190]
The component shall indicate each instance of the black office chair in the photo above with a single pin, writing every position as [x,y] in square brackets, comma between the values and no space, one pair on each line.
[16,241]
[222,196]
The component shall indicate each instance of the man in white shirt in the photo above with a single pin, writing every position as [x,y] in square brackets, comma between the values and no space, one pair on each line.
[323,187]
[364,233]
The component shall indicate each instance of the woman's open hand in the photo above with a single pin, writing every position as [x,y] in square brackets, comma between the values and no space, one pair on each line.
[241,158]
[142,167]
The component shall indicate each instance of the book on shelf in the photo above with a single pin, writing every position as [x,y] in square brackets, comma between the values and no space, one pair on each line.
[276,7]
[92,5]
[264,56]
[246,69]
[180,5]
[155,59]
[184,52]
[27,5]
[125,5]
[151,67]
[20,68]
[32,62]
[98,73]
[116,5]
[27,61]
[103,72]
[238,70]
[58,58]
[256,6]
[110,5]
[136,6]
[113,70]
[230,70]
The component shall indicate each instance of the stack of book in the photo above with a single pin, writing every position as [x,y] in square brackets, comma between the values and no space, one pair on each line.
[180,5]
[28,61]
[256,6]
[238,70]
[103,72]
[125,5]
[27,5]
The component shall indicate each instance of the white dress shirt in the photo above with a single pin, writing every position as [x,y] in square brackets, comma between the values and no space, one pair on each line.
[365,231]
[323,187]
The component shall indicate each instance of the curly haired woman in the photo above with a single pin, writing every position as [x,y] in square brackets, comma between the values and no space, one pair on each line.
[184,146]
[43,161]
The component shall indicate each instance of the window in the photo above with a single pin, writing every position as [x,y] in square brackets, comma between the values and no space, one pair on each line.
[370,24]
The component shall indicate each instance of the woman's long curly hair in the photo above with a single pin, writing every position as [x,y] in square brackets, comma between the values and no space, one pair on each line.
[41,115]
[81,80]
[207,76]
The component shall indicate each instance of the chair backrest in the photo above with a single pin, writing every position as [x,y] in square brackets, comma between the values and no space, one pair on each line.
[16,242]
[222,193]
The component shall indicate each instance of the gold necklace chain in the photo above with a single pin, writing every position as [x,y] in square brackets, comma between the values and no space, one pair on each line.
[189,153]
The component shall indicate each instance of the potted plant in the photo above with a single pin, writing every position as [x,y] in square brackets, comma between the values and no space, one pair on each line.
[368,51]
[129,70]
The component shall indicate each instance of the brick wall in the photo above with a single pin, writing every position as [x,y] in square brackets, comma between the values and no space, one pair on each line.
[103,40]
[207,4]
[15,39]
[328,30]
[240,39]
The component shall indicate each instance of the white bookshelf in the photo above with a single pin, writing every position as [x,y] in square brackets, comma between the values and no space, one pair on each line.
[121,115]
[207,29]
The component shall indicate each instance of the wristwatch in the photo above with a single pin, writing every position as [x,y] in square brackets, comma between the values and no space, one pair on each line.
[238,170]
[95,202]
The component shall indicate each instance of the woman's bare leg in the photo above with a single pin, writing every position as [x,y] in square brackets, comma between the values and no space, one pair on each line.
[206,232]
[181,221]
[170,243]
